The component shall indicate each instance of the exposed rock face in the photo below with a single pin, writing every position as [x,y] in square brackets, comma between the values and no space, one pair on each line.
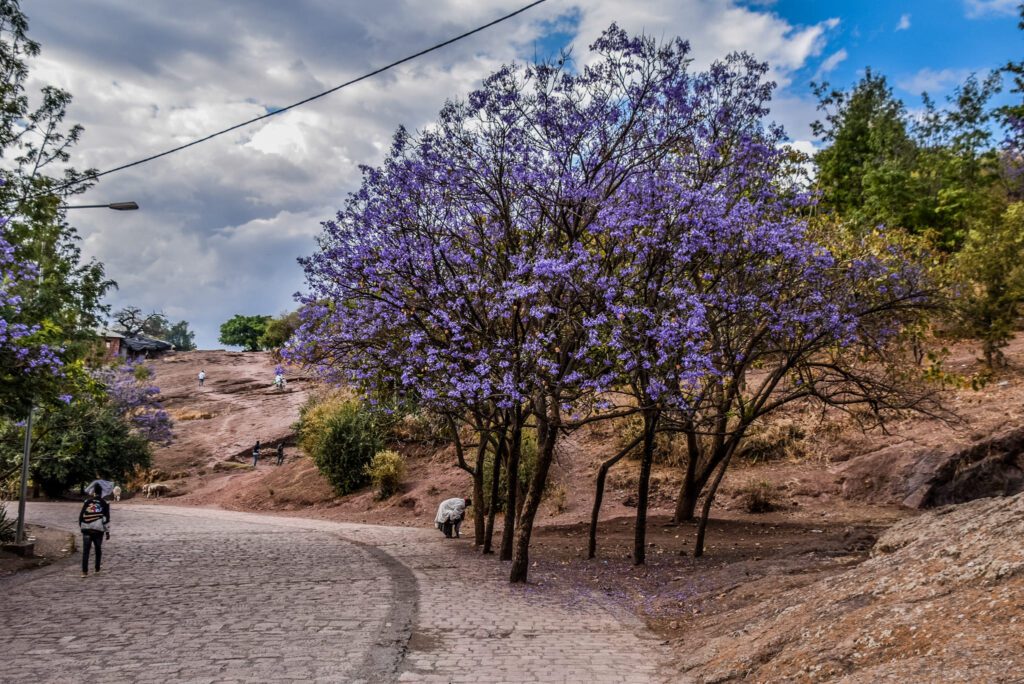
[923,478]
[236,405]
[941,599]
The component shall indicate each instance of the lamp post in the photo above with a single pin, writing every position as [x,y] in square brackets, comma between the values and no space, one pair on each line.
[23,498]
[116,206]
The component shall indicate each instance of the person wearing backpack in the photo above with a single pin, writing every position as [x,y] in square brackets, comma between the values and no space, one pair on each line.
[94,521]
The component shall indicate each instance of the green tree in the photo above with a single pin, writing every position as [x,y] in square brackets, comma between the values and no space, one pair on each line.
[280,330]
[990,277]
[65,299]
[245,331]
[956,169]
[86,438]
[181,337]
[865,171]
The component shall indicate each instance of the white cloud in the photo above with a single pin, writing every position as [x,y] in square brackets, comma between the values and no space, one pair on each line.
[222,223]
[904,22]
[980,8]
[831,62]
[933,81]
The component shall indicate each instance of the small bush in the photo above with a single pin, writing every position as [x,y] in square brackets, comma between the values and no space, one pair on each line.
[8,526]
[781,439]
[527,464]
[386,471]
[341,436]
[669,448]
[757,497]
[418,426]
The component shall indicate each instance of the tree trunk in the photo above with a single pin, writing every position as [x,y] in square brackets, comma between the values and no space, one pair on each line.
[478,493]
[643,488]
[547,434]
[492,508]
[686,504]
[698,548]
[513,502]
[602,474]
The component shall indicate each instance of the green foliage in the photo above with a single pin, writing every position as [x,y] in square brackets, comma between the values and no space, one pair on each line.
[75,443]
[279,330]
[342,437]
[8,525]
[991,281]
[932,176]
[527,465]
[386,471]
[245,331]
[65,300]
[181,337]
[864,173]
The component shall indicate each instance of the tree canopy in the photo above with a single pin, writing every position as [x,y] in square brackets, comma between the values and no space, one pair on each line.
[566,247]
[245,331]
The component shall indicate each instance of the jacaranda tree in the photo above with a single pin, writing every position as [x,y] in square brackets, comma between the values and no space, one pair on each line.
[567,246]
[23,356]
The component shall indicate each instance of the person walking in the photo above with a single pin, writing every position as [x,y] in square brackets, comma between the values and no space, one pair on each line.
[94,521]
[280,453]
[450,514]
[256,453]
[202,377]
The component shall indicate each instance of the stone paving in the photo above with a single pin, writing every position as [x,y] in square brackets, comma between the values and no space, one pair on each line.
[204,595]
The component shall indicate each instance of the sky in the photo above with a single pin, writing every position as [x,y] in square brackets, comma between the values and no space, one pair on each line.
[222,224]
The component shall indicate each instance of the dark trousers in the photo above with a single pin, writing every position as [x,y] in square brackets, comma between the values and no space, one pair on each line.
[90,537]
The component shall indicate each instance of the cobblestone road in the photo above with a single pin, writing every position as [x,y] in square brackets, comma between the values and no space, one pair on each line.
[207,595]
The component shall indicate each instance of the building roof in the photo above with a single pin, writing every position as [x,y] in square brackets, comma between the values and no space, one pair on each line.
[141,343]
[109,334]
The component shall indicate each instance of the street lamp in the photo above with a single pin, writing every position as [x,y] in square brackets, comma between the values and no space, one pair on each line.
[20,533]
[116,206]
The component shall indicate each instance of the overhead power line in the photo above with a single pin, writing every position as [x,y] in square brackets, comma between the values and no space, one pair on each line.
[282,110]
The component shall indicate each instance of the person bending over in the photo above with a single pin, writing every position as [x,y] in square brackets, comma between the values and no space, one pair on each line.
[450,515]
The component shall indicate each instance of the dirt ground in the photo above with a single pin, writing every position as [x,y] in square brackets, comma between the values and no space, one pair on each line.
[51,545]
[833,490]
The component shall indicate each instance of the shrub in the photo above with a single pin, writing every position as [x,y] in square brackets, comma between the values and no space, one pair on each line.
[418,426]
[341,436]
[7,525]
[757,497]
[386,470]
[669,448]
[770,441]
[527,464]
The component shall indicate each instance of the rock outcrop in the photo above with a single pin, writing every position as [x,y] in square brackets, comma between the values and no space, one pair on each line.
[925,477]
[941,599]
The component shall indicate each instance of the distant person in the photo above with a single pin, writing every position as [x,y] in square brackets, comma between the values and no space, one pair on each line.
[202,377]
[279,381]
[256,453]
[450,515]
[94,521]
[117,492]
[280,453]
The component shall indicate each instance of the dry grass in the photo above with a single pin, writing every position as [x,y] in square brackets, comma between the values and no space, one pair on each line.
[758,497]
[190,414]
[221,466]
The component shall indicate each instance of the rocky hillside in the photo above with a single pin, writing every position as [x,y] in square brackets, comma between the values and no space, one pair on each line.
[237,405]
[941,599]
